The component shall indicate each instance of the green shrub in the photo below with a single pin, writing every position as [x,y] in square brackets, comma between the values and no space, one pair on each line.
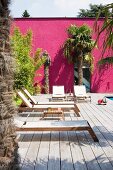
[24,64]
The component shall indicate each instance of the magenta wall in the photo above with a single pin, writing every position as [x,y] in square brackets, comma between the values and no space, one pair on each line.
[50,34]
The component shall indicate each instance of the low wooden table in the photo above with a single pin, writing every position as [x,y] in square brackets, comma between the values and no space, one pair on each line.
[51,111]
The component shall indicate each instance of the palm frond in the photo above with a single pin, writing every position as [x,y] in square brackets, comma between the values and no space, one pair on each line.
[107,60]
[107,28]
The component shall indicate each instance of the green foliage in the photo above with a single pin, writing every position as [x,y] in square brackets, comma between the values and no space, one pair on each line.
[24,70]
[93,11]
[107,60]
[26,65]
[79,42]
[42,57]
[78,47]
[38,89]
[107,28]
[39,58]
[89,59]
[25,14]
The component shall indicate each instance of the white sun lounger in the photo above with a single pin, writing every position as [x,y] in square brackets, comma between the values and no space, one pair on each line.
[30,96]
[58,92]
[78,125]
[80,92]
[48,102]
[30,107]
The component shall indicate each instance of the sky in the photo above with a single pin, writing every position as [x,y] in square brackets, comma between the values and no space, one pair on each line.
[51,8]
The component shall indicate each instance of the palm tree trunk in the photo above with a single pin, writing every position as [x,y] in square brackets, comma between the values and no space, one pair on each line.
[46,70]
[8,143]
[80,71]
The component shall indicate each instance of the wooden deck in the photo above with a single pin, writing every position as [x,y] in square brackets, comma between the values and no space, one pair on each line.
[70,150]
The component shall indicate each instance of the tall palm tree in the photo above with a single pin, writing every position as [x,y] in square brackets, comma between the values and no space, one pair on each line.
[107,28]
[78,46]
[46,71]
[46,74]
[39,60]
[8,144]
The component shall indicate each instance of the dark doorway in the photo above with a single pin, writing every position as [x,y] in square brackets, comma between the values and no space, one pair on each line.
[86,77]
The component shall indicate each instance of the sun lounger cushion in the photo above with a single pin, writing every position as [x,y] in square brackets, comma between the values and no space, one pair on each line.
[58,91]
[57,103]
[30,96]
[79,125]
[80,92]
[54,106]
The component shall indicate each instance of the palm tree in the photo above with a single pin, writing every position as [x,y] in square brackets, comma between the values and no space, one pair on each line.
[39,60]
[8,144]
[77,48]
[46,71]
[107,28]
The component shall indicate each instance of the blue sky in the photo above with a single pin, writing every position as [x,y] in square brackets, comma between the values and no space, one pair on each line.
[51,8]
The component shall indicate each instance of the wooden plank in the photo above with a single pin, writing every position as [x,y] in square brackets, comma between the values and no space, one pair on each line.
[77,155]
[102,126]
[106,147]
[54,153]
[101,157]
[100,134]
[72,151]
[24,142]
[30,157]
[24,146]
[104,119]
[89,156]
[43,152]
[65,152]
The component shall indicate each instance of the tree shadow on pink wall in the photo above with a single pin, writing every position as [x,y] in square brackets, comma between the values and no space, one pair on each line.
[101,79]
[61,72]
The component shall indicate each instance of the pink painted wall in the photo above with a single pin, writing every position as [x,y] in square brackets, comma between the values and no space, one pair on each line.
[50,34]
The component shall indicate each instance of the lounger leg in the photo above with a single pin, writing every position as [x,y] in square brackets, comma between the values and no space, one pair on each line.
[90,99]
[76,110]
[75,99]
[63,115]
[44,115]
[92,133]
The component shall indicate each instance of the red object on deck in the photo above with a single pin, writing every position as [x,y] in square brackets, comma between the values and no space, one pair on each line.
[100,101]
